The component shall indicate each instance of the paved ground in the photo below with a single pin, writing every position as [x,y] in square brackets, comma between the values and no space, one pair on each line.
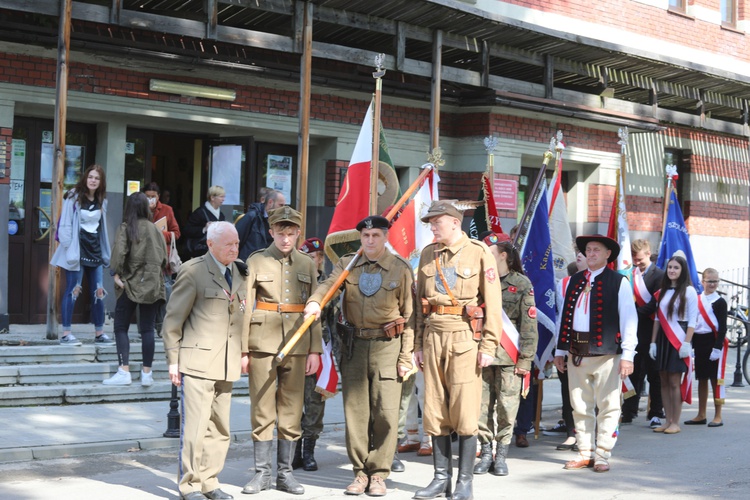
[135,464]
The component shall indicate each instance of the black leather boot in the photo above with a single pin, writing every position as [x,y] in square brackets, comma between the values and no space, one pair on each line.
[297,460]
[499,467]
[284,478]
[441,458]
[485,459]
[467,450]
[308,455]
[262,478]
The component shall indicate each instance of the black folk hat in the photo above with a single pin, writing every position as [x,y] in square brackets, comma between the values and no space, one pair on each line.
[611,244]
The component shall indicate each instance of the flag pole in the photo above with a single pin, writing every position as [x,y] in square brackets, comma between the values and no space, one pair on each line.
[426,169]
[559,147]
[535,194]
[378,74]
[490,143]
[671,172]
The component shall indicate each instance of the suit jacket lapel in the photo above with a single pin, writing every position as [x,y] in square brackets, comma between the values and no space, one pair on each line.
[213,270]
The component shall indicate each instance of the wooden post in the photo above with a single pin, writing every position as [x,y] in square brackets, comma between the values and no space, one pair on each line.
[375,162]
[58,168]
[303,140]
[437,85]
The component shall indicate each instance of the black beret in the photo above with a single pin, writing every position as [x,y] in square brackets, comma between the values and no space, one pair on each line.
[374,222]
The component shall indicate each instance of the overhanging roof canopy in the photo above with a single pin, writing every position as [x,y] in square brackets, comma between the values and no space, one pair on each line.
[480,52]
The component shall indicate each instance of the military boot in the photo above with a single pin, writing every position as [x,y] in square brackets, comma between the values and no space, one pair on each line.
[499,467]
[467,449]
[284,478]
[485,459]
[308,455]
[297,460]
[262,478]
[441,458]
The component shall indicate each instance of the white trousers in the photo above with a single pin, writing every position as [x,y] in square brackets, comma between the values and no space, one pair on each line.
[596,383]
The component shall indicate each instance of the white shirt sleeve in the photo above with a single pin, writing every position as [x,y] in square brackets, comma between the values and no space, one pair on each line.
[628,320]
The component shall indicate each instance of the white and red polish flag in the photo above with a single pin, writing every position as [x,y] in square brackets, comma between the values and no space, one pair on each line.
[327,376]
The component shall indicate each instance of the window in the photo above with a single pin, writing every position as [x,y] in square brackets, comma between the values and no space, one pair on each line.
[677,5]
[729,12]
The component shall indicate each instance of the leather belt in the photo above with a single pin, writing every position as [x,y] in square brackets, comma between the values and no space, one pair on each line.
[455,310]
[280,308]
[369,333]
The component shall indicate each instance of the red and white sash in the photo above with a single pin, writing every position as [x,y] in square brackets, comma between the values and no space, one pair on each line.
[510,341]
[707,313]
[640,291]
[676,336]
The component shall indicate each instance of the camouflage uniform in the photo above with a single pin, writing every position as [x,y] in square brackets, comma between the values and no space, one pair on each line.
[501,387]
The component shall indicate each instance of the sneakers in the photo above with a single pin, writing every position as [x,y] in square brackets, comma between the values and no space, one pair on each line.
[655,422]
[103,339]
[559,427]
[120,378]
[147,379]
[69,339]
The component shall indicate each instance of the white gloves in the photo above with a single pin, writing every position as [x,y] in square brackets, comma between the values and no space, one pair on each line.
[715,354]
[685,349]
[652,351]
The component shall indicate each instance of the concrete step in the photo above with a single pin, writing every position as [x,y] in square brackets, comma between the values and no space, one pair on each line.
[86,353]
[70,373]
[95,393]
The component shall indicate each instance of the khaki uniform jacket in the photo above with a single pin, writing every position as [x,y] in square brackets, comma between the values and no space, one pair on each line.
[140,265]
[518,303]
[477,282]
[279,280]
[392,300]
[203,326]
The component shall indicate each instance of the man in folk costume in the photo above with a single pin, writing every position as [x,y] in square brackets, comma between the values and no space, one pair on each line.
[710,346]
[646,281]
[598,332]
[456,277]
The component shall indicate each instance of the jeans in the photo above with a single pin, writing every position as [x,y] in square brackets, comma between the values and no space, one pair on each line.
[73,280]
[147,314]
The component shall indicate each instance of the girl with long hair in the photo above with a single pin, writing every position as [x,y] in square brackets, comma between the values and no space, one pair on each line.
[84,246]
[139,258]
[677,313]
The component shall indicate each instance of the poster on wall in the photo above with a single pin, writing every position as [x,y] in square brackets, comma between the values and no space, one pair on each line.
[74,157]
[18,159]
[226,170]
[279,174]
[132,187]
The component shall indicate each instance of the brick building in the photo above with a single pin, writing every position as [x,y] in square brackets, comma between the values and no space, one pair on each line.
[676,72]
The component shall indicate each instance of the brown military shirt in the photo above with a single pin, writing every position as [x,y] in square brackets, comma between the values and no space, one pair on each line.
[475,282]
[392,299]
[518,304]
[280,280]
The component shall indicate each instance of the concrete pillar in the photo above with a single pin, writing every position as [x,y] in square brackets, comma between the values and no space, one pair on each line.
[6,122]
[110,154]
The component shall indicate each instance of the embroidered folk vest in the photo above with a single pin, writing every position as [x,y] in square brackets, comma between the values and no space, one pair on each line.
[604,317]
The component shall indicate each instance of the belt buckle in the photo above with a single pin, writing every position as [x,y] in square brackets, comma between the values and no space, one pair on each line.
[278,308]
[440,310]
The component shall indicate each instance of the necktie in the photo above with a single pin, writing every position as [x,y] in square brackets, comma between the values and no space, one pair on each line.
[228,277]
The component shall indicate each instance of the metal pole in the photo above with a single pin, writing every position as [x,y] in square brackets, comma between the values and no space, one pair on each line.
[378,75]
[173,417]
[58,168]
[304,118]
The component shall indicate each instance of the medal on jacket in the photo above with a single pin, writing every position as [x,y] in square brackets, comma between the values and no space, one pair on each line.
[369,283]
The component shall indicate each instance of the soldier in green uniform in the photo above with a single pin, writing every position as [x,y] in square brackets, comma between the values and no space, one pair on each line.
[502,381]
[281,280]
[378,342]
[456,276]
[314,405]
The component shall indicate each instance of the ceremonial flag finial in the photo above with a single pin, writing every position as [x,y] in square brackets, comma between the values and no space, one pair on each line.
[436,157]
[490,143]
[623,142]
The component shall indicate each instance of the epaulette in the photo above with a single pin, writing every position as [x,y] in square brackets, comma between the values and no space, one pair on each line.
[242,267]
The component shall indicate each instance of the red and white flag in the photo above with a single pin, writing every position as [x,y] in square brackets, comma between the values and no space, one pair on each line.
[408,234]
[628,390]
[559,226]
[327,376]
[510,340]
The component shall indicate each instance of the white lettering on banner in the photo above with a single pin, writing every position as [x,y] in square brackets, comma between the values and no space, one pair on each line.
[674,225]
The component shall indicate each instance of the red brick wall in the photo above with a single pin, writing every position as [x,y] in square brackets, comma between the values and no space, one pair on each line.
[713,219]
[644,213]
[600,202]
[6,134]
[651,21]
[333,180]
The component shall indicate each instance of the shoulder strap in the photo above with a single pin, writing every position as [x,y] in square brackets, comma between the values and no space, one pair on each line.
[445,283]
